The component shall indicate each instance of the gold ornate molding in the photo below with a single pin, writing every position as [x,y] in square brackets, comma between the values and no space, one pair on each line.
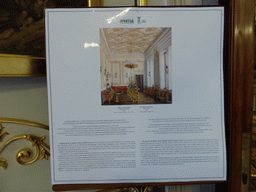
[95,3]
[2,134]
[143,3]
[3,163]
[25,156]
[21,66]
[23,122]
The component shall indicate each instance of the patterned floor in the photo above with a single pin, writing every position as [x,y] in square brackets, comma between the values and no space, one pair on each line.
[145,99]
[124,99]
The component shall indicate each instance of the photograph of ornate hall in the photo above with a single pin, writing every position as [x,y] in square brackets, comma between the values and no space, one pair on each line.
[136,65]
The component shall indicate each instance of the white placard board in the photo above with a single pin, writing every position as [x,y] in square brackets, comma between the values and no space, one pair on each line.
[136,94]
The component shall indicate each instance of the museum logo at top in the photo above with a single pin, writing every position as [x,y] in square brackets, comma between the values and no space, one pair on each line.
[132,21]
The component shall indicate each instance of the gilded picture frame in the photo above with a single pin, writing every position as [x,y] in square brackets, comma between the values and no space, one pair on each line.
[22,35]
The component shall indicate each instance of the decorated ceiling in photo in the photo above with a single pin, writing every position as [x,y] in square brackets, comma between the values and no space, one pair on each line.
[130,40]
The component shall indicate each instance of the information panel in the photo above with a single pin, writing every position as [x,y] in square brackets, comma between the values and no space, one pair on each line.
[136,94]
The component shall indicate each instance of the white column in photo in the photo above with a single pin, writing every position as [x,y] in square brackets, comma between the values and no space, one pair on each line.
[116,74]
[162,70]
[148,74]
[105,66]
[108,72]
[126,74]
[122,74]
[169,70]
[166,70]
[152,73]
[102,67]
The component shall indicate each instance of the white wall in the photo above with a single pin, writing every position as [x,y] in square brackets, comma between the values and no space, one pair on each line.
[119,63]
[162,44]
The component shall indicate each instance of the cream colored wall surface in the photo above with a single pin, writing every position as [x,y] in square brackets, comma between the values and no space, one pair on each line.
[157,2]
[24,98]
[118,3]
[193,2]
